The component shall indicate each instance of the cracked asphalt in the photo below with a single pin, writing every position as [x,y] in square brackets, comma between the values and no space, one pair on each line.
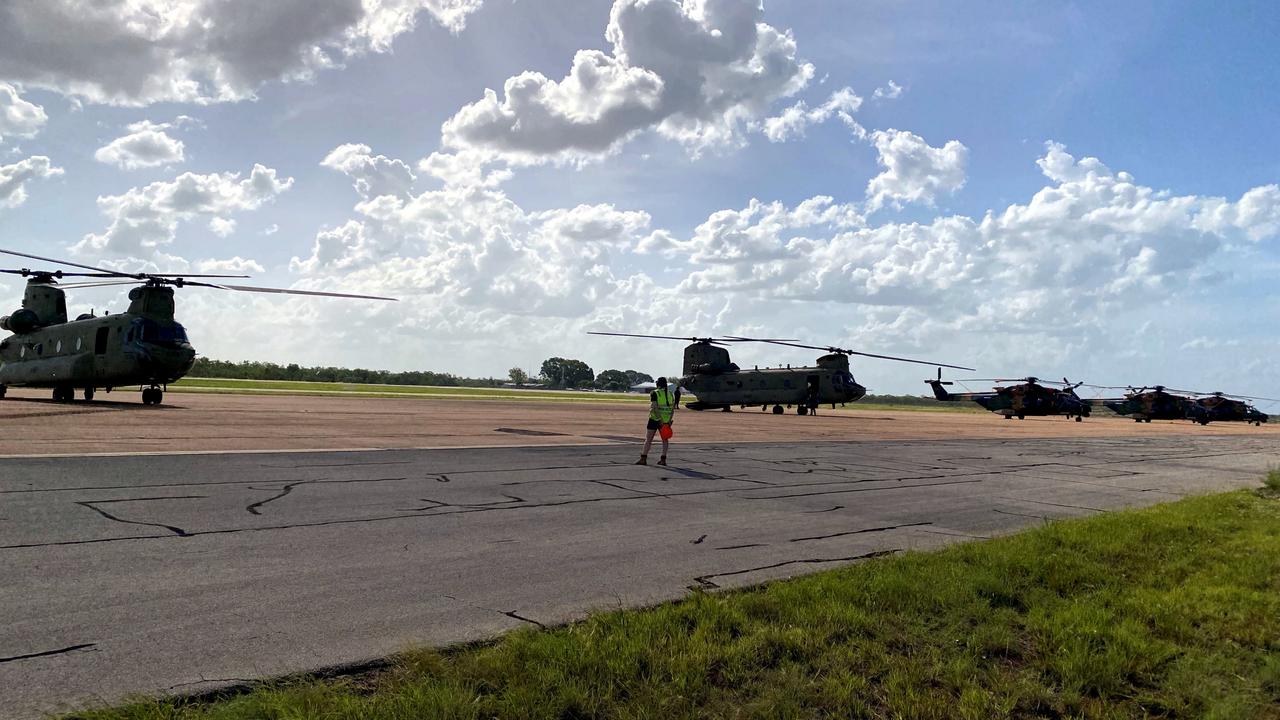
[167,573]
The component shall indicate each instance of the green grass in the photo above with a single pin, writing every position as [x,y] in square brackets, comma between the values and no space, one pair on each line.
[299,387]
[1271,482]
[293,387]
[1172,611]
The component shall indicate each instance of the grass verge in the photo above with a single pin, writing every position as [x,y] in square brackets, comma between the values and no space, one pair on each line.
[299,387]
[1171,611]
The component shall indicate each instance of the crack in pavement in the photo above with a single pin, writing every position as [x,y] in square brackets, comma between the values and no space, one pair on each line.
[512,614]
[47,653]
[854,490]
[704,582]
[93,505]
[739,547]
[253,508]
[1061,505]
[1010,512]
[860,532]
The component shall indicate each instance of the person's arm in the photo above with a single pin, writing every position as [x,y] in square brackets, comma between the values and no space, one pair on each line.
[653,403]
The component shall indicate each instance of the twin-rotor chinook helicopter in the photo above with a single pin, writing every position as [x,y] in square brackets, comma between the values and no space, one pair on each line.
[142,346]
[720,384]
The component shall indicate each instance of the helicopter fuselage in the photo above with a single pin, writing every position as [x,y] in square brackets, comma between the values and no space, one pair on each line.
[101,352]
[799,386]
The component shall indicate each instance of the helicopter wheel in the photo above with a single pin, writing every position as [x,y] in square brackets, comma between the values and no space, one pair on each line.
[1147,420]
[777,409]
[3,389]
[1021,416]
[63,394]
[152,396]
[802,410]
[1079,418]
[88,394]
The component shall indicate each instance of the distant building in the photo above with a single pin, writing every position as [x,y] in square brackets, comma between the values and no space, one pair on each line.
[643,387]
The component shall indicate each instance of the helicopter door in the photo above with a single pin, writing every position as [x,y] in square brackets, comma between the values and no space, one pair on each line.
[813,386]
[100,341]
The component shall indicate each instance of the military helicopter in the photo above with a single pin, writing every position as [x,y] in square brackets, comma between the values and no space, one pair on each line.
[719,384]
[1029,397]
[1161,403]
[1220,407]
[1145,404]
[143,346]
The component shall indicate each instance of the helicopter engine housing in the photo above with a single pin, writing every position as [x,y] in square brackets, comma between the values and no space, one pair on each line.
[20,322]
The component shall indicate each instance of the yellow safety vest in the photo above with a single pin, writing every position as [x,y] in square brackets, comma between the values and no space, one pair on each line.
[666,406]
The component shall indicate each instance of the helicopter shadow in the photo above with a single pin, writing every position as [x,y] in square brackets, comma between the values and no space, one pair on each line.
[82,407]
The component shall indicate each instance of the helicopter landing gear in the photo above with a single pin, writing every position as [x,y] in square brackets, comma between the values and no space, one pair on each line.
[88,394]
[802,410]
[3,389]
[1021,416]
[152,396]
[1079,418]
[62,393]
[777,409]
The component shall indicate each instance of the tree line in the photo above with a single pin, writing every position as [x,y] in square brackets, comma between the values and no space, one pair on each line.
[555,372]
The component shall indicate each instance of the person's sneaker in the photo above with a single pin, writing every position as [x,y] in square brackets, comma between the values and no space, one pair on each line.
[644,460]
[662,460]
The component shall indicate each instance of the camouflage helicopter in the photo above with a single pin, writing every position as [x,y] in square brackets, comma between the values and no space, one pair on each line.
[1146,404]
[143,346]
[1221,407]
[1161,403]
[1028,397]
[719,384]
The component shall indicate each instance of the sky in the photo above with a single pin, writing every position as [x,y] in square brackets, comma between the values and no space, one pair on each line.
[1081,189]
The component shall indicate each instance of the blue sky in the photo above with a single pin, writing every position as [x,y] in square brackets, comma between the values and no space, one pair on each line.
[1154,262]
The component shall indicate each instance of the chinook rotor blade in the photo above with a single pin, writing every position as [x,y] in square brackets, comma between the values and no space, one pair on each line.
[100,283]
[843,351]
[709,340]
[104,271]
[100,272]
[56,275]
[280,291]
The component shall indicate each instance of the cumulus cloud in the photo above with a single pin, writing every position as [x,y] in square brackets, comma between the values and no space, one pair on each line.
[372,175]
[795,120]
[146,145]
[222,227]
[1091,243]
[914,171]
[146,218]
[14,177]
[892,91]
[1033,280]
[18,117]
[147,51]
[696,70]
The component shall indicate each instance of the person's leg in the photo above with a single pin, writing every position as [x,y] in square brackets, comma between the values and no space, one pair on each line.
[648,443]
[663,460]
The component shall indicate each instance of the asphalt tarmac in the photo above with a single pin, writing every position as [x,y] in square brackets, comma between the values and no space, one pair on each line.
[176,573]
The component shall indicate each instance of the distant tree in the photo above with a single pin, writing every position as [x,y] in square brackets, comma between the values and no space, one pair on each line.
[616,380]
[565,372]
[518,376]
[635,377]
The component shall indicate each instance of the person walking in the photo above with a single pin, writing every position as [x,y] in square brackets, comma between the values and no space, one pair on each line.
[662,410]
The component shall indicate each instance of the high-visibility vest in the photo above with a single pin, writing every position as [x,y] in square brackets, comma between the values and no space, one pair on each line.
[666,406]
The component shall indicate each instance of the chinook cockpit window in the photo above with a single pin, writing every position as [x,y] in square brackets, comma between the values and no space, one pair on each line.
[162,333]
